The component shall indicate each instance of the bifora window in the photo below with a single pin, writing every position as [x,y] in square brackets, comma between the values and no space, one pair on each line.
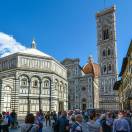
[109,67]
[104,53]
[109,52]
[104,69]
[105,34]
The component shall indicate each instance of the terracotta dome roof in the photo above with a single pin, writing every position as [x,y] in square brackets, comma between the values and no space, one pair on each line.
[91,68]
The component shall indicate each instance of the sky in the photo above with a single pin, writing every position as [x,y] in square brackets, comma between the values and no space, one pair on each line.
[64,28]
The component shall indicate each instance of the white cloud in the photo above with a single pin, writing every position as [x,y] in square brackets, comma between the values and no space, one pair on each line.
[9,45]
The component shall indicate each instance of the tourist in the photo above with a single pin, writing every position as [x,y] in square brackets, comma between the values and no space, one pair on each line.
[1,120]
[121,124]
[47,118]
[109,121]
[13,117]
[6,122]
[54,116]
[29,125]
[41,114]
[39,121]
[62,124]
[127,116]
[92,125]
[105,127]
[98,119]
[77,127]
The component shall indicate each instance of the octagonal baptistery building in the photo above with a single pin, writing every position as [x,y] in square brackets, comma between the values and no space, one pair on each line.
[31,80]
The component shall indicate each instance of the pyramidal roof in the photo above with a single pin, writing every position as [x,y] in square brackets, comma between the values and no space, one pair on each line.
[33,51]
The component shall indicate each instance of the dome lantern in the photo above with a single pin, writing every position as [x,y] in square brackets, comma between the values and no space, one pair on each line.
[90,59]
[33,44]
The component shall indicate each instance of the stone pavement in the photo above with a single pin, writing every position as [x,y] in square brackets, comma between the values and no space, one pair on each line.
[49,129]
[45,128]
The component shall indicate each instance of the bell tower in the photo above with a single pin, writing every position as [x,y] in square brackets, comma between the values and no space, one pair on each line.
[107,57]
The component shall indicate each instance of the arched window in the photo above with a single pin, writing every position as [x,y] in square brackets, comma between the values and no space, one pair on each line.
[104,69]
[65,88]
[109,67]
[46,83]
[61,86]
[105,34]
[109,52]
[56,84]
[104,53]
[83,100]
[35,83]
[83,88]
[24,82]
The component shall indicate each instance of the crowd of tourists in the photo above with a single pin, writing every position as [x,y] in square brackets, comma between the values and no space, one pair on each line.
[76,121]
[70,121]
[8,120]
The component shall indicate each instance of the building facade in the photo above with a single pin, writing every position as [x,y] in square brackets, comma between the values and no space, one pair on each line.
[83,84]
[107,58]
[31,80]
[124,86]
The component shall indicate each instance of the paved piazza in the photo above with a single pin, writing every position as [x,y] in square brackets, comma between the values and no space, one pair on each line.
[45,129]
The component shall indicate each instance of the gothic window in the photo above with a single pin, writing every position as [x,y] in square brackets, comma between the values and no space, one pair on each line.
[83,100]
[90,80]
[104,53]
[104,69]
[105,34]
[76,71]
[109,67]
[109,52]
[83,88]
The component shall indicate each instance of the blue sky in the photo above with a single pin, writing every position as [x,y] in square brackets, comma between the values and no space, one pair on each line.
[64,28]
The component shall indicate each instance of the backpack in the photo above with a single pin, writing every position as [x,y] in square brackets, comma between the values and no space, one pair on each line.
[73,129]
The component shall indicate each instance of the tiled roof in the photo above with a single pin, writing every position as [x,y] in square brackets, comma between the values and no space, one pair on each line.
[92,68]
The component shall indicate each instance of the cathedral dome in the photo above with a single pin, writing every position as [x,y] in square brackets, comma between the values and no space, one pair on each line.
[91,68]
[33,51]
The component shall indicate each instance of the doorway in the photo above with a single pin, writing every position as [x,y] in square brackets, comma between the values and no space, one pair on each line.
[61,106]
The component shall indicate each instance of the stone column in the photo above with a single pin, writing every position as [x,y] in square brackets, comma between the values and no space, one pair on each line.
[29,91]
[0,93]
[15,95]
[40,91]
[50,96]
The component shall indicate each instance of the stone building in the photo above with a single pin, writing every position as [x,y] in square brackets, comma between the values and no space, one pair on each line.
[107,58]
[124,86]
[83,84]
[31,80]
